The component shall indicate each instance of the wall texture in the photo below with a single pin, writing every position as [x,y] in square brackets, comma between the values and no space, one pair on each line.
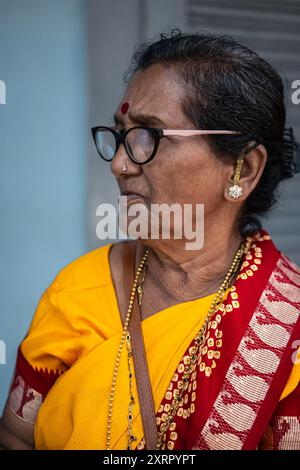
[42,155]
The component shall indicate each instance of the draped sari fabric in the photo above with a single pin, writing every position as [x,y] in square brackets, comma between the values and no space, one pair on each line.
[243,392]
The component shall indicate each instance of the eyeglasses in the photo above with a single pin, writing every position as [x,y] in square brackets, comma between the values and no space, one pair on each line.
[141,143]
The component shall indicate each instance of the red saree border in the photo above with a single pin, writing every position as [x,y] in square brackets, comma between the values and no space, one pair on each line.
[234,323]
[29,388]
[39,379]
[230,338]
[283,431]
[284,292]
[260,369]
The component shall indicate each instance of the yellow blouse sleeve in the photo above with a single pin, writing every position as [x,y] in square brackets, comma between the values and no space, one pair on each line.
[293,380]
[50,344]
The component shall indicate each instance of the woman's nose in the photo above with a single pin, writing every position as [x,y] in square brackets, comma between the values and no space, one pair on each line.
[121,164]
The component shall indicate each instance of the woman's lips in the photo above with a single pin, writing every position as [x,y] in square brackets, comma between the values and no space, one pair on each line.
[133,197]
[130,195]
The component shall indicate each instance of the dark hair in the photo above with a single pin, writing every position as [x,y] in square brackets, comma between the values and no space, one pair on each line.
[229,87]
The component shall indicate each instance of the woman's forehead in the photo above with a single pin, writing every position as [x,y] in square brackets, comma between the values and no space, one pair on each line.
[153,92]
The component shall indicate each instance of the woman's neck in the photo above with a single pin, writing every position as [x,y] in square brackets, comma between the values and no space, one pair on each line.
[178,275]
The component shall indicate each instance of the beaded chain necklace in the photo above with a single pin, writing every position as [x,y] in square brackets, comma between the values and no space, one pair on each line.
[137,288]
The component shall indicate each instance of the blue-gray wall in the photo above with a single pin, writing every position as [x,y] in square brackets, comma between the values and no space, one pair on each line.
[43,134]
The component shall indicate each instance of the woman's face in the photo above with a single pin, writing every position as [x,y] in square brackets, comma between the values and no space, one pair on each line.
[184,169]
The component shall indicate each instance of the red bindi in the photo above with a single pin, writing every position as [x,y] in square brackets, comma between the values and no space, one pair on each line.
[124,108]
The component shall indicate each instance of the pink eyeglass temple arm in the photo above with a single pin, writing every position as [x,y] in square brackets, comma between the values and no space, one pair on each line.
[195,132]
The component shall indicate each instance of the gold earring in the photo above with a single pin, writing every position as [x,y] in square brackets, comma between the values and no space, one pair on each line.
[236,191]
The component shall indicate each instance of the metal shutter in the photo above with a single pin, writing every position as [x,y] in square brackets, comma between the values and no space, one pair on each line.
[272,29]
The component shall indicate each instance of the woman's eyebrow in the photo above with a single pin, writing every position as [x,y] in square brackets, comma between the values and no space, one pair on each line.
[139,118]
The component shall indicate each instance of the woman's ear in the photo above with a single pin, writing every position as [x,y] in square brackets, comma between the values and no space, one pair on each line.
[253,166]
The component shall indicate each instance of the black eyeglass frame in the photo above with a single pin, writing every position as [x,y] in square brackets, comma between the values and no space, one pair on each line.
[120,138]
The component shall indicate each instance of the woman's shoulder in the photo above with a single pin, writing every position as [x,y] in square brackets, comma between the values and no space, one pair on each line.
[291,262]
[91,270]
[288,267]
[284,263]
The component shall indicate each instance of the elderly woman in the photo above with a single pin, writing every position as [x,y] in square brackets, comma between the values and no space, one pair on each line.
[144,343]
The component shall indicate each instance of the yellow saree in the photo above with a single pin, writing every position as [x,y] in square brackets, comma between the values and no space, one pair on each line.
[74,336]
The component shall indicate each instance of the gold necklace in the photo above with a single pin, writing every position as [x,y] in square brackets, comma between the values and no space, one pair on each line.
[199,341]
